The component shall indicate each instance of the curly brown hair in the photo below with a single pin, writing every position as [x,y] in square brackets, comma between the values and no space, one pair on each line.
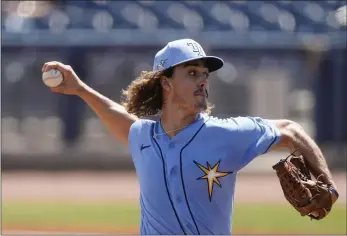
[144,96]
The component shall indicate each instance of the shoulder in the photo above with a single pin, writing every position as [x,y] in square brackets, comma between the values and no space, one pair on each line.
[232,123]
[252,123]
[139,130]
[223,128]
[239,123]
[140,125]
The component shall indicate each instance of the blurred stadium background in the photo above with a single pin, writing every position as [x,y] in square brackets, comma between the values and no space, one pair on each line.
[283,59]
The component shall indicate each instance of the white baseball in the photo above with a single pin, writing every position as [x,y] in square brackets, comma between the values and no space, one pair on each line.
[52,78]
[341,15]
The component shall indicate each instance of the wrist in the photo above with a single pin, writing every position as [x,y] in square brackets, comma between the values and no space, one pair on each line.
[334,193]
[81,91]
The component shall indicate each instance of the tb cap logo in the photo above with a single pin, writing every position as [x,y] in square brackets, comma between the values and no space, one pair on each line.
[196,48]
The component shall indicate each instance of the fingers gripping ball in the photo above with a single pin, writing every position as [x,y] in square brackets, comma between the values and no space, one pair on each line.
[341,15]
[52,78]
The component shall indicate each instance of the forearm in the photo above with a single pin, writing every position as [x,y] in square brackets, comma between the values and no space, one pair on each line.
[312,154]
[112,114]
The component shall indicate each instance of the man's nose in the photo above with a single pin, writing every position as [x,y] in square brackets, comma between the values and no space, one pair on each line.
[203,83]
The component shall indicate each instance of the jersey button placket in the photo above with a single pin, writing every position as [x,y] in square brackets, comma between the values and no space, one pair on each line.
[172,145]
[174,177]
[173,171]
[190,227]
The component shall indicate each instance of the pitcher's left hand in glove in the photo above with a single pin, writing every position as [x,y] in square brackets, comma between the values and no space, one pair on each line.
[310,198]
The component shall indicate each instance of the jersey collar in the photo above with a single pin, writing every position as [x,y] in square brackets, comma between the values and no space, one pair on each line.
[184,135]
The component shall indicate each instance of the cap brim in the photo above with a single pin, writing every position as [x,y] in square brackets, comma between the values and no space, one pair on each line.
[213,63]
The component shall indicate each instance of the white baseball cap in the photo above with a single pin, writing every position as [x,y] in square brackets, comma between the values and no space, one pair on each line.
[181,51]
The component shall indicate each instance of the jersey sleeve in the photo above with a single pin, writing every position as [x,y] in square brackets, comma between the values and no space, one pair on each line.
[252,136]
[138,133]
[134,134]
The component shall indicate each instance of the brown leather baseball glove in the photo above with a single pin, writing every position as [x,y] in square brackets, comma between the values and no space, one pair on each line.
[310,198]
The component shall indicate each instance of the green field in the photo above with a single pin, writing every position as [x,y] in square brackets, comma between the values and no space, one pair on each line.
[124,217]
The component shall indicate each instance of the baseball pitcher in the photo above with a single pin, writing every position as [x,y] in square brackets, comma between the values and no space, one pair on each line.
[187,161]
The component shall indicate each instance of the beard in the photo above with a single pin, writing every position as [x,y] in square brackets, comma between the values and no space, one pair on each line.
[201,103]
[193,103]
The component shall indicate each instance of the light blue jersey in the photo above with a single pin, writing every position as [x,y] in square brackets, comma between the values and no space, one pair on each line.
[187,183]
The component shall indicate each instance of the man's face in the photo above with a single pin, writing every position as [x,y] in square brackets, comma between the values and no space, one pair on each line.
[189,86]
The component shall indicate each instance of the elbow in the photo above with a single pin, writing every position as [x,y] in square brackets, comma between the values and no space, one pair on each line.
[290,132]
[291,128]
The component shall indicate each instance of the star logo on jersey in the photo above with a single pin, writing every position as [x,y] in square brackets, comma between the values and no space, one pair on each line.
[211,175]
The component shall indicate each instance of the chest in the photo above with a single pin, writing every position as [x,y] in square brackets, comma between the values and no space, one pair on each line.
[200,168]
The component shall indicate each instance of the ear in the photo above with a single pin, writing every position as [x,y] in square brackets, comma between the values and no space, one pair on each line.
[165,83]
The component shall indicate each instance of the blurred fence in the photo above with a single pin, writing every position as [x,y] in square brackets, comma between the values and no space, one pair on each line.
[274,74]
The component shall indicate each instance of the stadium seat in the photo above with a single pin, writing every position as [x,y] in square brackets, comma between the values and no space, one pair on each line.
[297,16]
